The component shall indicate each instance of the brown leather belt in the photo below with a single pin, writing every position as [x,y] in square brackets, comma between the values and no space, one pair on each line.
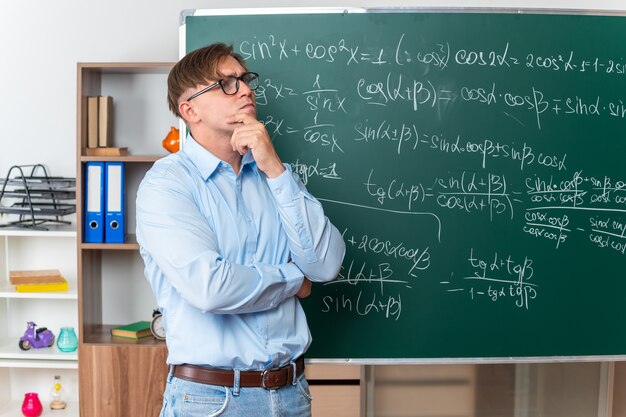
[268,379]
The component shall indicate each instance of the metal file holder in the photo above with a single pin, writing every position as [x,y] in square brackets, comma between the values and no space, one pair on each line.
[39,197]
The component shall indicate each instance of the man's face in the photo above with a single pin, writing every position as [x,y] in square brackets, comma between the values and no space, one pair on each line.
[214,107]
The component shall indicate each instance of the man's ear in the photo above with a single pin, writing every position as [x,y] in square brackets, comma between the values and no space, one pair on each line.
[188,112]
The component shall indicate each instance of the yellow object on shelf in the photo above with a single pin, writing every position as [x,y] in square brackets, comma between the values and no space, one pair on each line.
[47,287]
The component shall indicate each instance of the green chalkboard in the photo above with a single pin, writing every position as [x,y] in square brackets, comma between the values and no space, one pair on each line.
[475,164]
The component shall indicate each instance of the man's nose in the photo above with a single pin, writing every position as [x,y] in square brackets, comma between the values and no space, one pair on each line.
[244,90]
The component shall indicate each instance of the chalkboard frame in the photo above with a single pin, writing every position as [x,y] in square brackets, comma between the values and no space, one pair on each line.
[351,10]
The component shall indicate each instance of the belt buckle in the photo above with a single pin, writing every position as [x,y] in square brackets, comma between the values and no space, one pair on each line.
[264,375]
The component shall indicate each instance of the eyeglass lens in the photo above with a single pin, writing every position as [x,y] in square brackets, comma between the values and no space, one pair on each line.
[230,85]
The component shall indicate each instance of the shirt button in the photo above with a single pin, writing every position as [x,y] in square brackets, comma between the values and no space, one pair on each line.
[251,260]
[279,190]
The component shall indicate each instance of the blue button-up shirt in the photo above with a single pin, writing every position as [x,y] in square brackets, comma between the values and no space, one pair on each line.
[217,247]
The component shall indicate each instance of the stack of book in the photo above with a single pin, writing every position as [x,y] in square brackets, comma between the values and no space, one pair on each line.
[42,280]
[100,126]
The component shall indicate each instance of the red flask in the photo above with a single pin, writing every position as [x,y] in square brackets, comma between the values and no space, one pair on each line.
[31,407]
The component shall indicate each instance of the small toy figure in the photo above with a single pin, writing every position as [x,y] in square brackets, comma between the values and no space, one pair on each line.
[36,338]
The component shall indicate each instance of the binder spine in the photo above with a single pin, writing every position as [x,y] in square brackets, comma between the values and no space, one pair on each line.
[94,203]
[115,202]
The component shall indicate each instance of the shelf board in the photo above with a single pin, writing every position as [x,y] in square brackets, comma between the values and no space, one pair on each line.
[127,67]
[101,335]
[127,158]
[33,358]
[130,244]
[14,409]
[37,364]
[54,230]
[8,291]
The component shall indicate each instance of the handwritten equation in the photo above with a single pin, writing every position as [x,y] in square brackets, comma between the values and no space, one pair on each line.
[497,278]
[602,199]
[438,54]
[399,266]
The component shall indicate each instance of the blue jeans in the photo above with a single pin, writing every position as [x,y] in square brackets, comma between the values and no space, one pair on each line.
[191,399]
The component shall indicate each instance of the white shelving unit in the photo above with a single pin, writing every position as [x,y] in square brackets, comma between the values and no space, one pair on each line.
[34,370]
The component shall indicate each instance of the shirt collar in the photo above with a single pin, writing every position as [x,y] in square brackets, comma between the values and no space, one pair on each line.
[205,161]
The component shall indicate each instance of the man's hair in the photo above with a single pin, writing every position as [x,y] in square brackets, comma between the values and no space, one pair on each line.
[197,68]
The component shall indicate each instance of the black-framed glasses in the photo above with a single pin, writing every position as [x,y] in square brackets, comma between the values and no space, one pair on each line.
[230,84]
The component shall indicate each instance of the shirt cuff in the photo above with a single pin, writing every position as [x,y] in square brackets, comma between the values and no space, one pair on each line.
[284,187]
[293,276]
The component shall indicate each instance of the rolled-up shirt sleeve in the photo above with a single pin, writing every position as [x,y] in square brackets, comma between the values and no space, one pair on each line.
[316,245]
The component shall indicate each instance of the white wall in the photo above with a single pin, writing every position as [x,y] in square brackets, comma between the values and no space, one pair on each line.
[41,42]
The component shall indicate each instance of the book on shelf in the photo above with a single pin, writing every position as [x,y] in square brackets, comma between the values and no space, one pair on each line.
[59,286]
[99,121]
[92,122]
[137,330]
[105,106]
[35,276]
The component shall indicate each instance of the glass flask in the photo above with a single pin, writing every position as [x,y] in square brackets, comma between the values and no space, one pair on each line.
[31,407]
[57,395]
[67,340]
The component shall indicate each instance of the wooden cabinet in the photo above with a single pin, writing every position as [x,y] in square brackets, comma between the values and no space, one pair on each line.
[120,377]
[337,390]
[34,370]
[122,380]
[405,390]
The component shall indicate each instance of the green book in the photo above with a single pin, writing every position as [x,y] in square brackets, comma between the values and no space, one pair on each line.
[135,330]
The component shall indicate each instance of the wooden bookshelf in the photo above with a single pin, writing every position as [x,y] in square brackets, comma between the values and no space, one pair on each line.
[119,377]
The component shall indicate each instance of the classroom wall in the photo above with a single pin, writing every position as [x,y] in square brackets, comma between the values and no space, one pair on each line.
[41,42]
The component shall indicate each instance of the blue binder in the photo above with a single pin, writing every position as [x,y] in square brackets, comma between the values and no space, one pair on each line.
[94,202]
[115,203]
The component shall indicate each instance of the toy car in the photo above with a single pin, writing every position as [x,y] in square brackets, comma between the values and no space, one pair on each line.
[36,338]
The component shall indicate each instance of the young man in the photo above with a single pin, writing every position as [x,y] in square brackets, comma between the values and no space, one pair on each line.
[231,239]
